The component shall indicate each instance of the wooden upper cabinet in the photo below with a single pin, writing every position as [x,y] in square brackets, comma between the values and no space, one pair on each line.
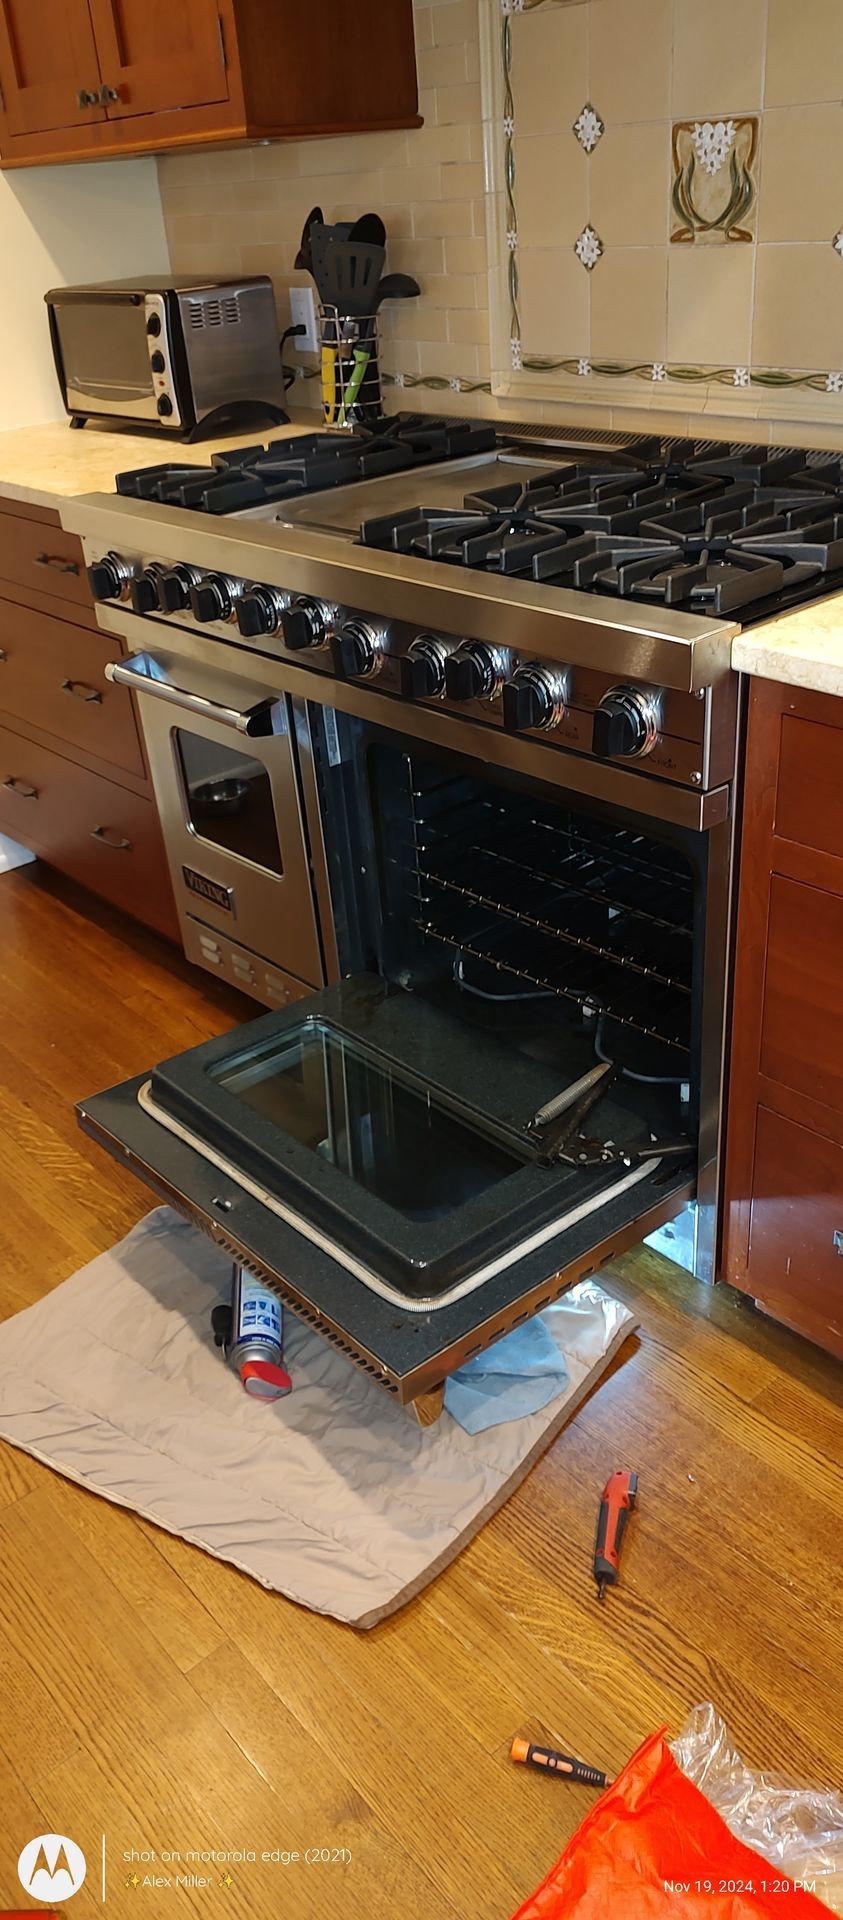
[162,74]
[158,54]
[48,58]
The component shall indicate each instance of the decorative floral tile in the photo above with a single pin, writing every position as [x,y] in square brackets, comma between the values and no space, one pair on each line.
[715,186]
[588,127]
[588,248]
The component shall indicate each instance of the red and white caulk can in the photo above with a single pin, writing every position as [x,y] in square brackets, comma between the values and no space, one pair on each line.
[255,1347]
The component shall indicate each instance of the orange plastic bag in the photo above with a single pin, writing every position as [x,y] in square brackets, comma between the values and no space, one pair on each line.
[654,1846]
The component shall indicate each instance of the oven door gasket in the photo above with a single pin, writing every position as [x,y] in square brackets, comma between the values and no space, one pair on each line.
[427,1303]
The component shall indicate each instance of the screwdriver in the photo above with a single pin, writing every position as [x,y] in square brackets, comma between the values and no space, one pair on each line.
[616,1503]
[549,1760]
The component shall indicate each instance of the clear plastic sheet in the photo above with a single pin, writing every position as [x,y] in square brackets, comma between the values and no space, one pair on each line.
[799,1829]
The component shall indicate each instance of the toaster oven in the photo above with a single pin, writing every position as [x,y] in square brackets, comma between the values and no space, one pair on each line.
[185,357]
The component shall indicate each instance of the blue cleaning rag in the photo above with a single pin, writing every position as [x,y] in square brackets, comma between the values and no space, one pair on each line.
[518,1375]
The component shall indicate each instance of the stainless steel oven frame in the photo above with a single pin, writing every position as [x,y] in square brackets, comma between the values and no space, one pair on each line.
[240,917]
[192,659]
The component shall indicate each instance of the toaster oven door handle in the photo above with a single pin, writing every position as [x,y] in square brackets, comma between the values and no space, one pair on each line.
[141,673]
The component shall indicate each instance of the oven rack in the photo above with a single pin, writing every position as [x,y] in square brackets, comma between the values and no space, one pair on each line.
[556,930]
[612,904]
[663,1019]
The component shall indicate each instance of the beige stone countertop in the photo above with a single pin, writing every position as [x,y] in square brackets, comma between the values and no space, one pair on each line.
[43,465]
[802,649]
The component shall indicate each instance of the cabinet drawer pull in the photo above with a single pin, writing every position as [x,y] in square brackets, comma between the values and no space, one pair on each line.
[107,838]
[81,690]
[86,98]
[837,1241]
[3,656]
[56,561]
[108,95]
[21,789]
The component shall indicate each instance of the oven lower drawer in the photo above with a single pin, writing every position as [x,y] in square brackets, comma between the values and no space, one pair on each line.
[408,1353]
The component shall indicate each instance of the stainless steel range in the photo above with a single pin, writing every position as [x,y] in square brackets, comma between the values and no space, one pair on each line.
[443,734]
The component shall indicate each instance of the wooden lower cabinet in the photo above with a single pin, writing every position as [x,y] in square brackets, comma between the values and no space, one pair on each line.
[90,828]
[783,1198]
[74,786]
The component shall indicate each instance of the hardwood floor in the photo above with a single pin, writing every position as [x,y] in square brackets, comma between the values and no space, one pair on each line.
[151,1693]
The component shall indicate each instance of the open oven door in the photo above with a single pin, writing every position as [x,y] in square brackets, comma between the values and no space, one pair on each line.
[409,1186]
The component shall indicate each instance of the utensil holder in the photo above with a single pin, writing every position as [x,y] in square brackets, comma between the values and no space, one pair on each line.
[350,369]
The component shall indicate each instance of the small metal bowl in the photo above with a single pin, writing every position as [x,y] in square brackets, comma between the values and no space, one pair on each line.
[220,796]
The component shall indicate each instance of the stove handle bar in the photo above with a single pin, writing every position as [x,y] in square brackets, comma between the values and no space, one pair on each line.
[141,673]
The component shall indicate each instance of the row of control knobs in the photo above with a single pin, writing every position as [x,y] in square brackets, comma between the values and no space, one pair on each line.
[533,696]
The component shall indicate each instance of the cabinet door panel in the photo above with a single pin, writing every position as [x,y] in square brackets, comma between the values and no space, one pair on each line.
[796,1235]
[47,54]
[157,54]
[802,1035]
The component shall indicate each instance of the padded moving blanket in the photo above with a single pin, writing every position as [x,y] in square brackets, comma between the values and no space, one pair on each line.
[334,1496]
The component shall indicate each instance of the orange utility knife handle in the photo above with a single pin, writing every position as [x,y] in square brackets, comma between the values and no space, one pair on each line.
[617,1501]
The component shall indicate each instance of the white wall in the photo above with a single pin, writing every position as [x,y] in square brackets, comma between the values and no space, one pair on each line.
[60,225]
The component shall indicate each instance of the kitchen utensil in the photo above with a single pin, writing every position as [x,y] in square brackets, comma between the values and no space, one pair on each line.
[393,286]
[346,272]
[304,258]
[369,230]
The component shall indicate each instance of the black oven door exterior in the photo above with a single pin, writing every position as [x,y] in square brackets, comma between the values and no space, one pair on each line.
[409,1351]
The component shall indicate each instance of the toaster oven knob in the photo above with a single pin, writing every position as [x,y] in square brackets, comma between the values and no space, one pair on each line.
[157,361]
[473,672]
[304,624]
[143,592]
[357,650]
[423,668]
[174,585]
[107,578]
[626,724]
[213,598]
[534,698]
[259,611]
[164,405]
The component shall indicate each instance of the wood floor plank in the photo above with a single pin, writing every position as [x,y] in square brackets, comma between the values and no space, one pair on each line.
[323,1809]
[207,1713]
[125,1554]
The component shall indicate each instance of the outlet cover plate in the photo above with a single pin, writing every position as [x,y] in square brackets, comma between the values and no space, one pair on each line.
[303,314]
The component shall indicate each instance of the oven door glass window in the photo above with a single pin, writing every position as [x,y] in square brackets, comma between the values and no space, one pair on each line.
[360,1113]
[228,798]
[396,1138]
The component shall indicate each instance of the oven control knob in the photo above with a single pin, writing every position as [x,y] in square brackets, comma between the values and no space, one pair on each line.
[357,650]
[143,592]
[304,624]
[214,597]
[423,668]
[534,697]
[474,672]
[626,724]
[174,585]
[108,577]
[259,611]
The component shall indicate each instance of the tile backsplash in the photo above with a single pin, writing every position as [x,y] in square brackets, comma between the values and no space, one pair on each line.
[614,207]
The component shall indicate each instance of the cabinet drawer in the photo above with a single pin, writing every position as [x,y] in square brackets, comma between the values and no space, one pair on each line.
[44,558]
[92,829]
[802,1032]
[795,1259]
[52,676]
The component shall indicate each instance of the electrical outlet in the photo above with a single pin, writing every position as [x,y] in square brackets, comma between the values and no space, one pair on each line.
[303,314]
